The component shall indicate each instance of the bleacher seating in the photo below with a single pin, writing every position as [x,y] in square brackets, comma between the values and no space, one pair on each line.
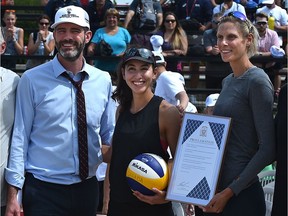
[28,14]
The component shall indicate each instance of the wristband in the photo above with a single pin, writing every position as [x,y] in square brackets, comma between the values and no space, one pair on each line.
[44,41]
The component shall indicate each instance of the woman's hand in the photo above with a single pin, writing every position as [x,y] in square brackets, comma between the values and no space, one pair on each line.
[158,198]
[218,202]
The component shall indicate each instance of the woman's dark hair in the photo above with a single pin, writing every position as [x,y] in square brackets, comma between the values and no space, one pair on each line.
[43,16]
[123,94]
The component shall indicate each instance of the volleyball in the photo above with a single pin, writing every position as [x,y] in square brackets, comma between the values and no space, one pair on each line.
[147,171]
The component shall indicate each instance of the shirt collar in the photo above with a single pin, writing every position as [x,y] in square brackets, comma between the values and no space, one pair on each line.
[59,69]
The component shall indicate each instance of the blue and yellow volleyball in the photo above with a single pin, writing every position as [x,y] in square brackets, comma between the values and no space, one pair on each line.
[147,171]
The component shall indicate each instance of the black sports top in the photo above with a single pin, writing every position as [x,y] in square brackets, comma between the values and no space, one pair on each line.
[134,134]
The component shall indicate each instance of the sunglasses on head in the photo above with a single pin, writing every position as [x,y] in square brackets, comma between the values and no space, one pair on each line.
[215,22]
[238,15]
[138,52]
[168,21]
[44,23]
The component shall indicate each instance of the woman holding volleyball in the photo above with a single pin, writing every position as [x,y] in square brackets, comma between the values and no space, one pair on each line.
[145,124]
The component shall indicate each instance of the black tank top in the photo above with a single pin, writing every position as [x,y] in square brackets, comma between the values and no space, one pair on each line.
[134,134]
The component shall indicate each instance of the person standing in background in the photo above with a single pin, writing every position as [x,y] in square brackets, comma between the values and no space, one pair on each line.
[199,11]
[40,42]
[280,191]
[64,118]
[8,84]
[247,98]
[96,10]
[229,6]
[54,5]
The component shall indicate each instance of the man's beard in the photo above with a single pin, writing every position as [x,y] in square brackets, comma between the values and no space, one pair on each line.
[70,55]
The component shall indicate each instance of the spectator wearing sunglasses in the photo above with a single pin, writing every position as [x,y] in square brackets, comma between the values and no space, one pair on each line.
[247,98]
[279,14]
[41,42]
[13,36]
[145,123]
[267,39]
[175,39]
[215,71]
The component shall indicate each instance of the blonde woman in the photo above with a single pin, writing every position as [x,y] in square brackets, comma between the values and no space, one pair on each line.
[247,97]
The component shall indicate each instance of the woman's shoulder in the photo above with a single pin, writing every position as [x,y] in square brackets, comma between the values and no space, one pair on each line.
[167,109]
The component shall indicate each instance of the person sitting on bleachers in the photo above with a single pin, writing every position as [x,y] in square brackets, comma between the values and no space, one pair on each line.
[40,42]
[199,12]
[14,38]
[146,17]
[175,41]
[96,10]
[117,37]
[279,14]
[267,39]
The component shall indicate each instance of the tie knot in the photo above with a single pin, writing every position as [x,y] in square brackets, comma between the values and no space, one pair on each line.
[77,84]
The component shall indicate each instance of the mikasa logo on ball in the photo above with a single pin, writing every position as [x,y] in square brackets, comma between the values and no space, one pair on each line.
[139,167]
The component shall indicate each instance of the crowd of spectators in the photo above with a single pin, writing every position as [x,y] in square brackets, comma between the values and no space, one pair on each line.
[174,22]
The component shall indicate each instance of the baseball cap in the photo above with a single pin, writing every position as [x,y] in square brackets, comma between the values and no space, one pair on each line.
[159,58]
[277,52]
[72,14]
[211,100]
[157,42]
[267,2]
[141,54]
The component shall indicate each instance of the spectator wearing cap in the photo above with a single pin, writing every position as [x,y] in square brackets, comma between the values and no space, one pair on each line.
[210,103]
[64,118]
[279,14]
[170,86]
[145,123]
[268,38]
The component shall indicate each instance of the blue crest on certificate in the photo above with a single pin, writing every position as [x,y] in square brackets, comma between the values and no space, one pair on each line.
[198,158]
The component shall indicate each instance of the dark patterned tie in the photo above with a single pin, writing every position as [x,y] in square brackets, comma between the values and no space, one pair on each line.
[82,126]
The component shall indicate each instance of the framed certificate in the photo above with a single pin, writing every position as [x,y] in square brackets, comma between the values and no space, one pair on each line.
[198,158]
